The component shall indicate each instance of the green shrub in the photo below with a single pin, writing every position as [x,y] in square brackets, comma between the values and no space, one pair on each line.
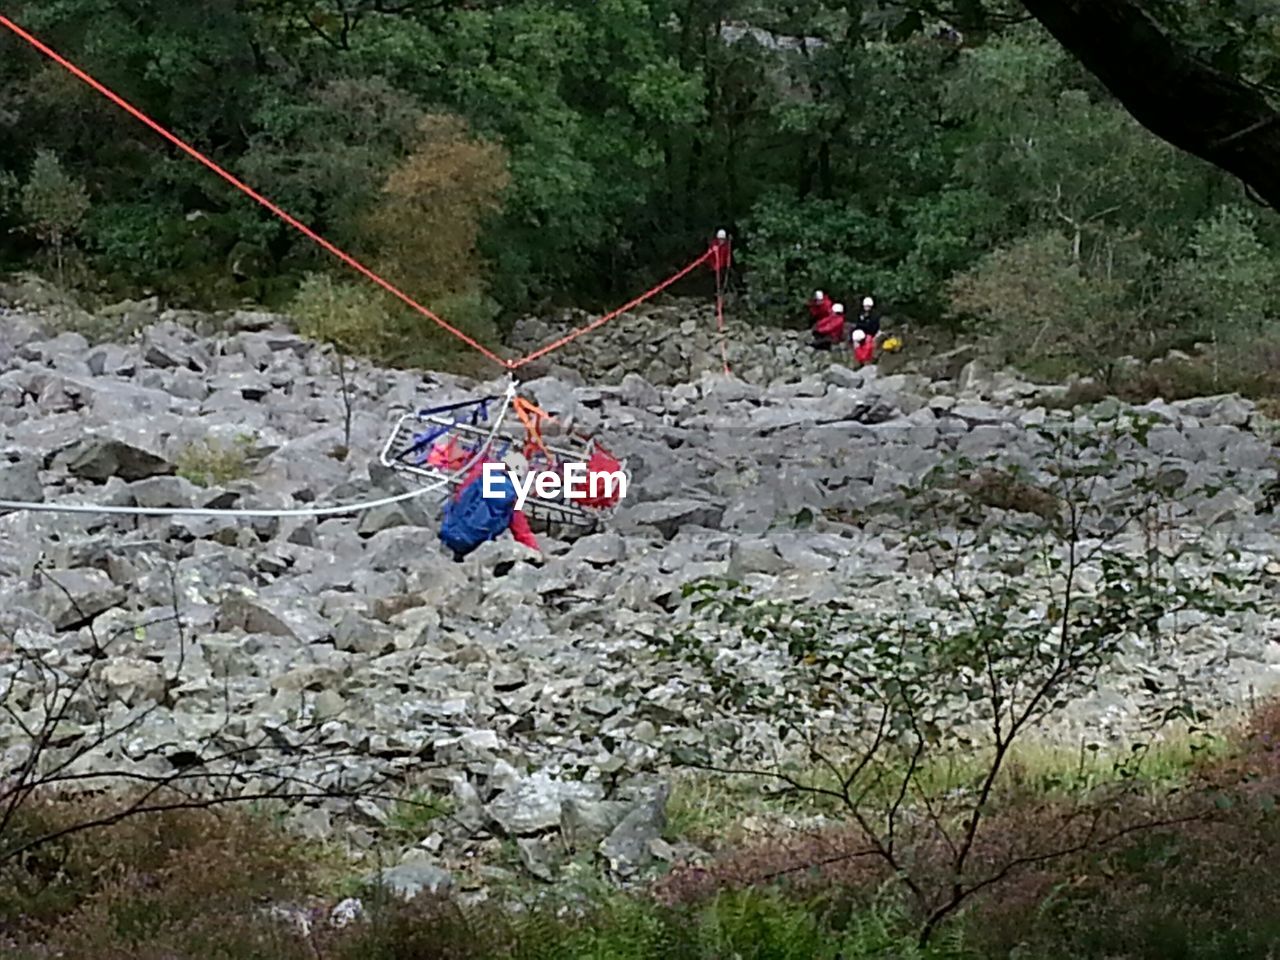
[1035,300]
[54,204]
[360,320]
[1228,285]
[353,317]
[210,464]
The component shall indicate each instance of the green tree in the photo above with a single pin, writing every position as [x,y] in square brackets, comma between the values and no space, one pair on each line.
[1037,300]
[54,204]
[427,220]
[1197,75]
[1225,290]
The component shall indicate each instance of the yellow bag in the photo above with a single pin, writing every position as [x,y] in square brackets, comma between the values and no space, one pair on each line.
[892,345]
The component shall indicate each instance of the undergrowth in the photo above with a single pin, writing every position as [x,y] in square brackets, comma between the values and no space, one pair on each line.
[190,885]
[1184,377]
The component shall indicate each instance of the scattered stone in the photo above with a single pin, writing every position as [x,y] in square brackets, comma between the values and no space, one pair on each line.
[534,804]
[407,880]
[357,649]
[628,849]
[21,481]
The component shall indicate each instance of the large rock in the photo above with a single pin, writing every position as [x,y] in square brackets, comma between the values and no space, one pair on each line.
[599,549]
[21,482]
[134,681]
[70,598]
[534,805]
[100,458]
[629,848]
[754,556]
[357,634]
[670,516]
[408,880]
[291,617]
[584,823]
[639,392]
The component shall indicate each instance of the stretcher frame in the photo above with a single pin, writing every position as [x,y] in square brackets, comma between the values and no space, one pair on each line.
[406,453]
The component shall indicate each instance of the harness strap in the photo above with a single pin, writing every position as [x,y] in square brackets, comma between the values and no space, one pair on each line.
[421,440]
[532,426]
[483,402]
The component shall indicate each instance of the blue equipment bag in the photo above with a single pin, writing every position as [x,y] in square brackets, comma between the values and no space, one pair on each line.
[472,518]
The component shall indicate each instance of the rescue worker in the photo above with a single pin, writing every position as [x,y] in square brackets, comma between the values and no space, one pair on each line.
[866,327]
[520,529]
[721,253]
[864,347]
[820,306]
[868,318]
[829,331]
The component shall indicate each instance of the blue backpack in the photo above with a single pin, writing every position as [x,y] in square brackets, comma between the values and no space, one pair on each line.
[472,518]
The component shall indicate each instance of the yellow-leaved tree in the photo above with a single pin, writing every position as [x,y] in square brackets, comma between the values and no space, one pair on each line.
[421,234]
[425,228]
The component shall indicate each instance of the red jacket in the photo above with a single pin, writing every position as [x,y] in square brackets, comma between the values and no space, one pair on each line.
[865,351]
[820,310]
[521,530]
[832,325]
[721,255]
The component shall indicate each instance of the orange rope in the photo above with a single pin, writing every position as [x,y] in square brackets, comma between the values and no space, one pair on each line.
[609,316]
[532,427]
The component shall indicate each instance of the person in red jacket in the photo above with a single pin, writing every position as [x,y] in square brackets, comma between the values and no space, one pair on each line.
[829,330]
[522,532]
[866,328]
[518,466]
[820,306]
[721,253]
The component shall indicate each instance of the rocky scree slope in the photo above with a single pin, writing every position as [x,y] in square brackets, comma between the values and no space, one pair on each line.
[353,652]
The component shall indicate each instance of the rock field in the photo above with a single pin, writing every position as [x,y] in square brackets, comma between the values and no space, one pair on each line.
[353,650]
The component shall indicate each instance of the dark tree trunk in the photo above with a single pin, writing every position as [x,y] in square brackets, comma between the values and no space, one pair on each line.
[1171,92]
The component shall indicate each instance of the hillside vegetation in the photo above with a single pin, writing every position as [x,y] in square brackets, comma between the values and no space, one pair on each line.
[493,157]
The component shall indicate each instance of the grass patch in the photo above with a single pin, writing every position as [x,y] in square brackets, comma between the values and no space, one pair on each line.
[362,322]
[707,809]
[411,819]
[1037,768]
[210,464]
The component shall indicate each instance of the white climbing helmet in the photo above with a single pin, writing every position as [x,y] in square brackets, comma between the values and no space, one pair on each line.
[516,463]
[817,296]
[859,336]
[868,303]
[838,308]
[721,235]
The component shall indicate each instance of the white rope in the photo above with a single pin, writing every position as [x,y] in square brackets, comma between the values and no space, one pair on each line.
[296,512]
